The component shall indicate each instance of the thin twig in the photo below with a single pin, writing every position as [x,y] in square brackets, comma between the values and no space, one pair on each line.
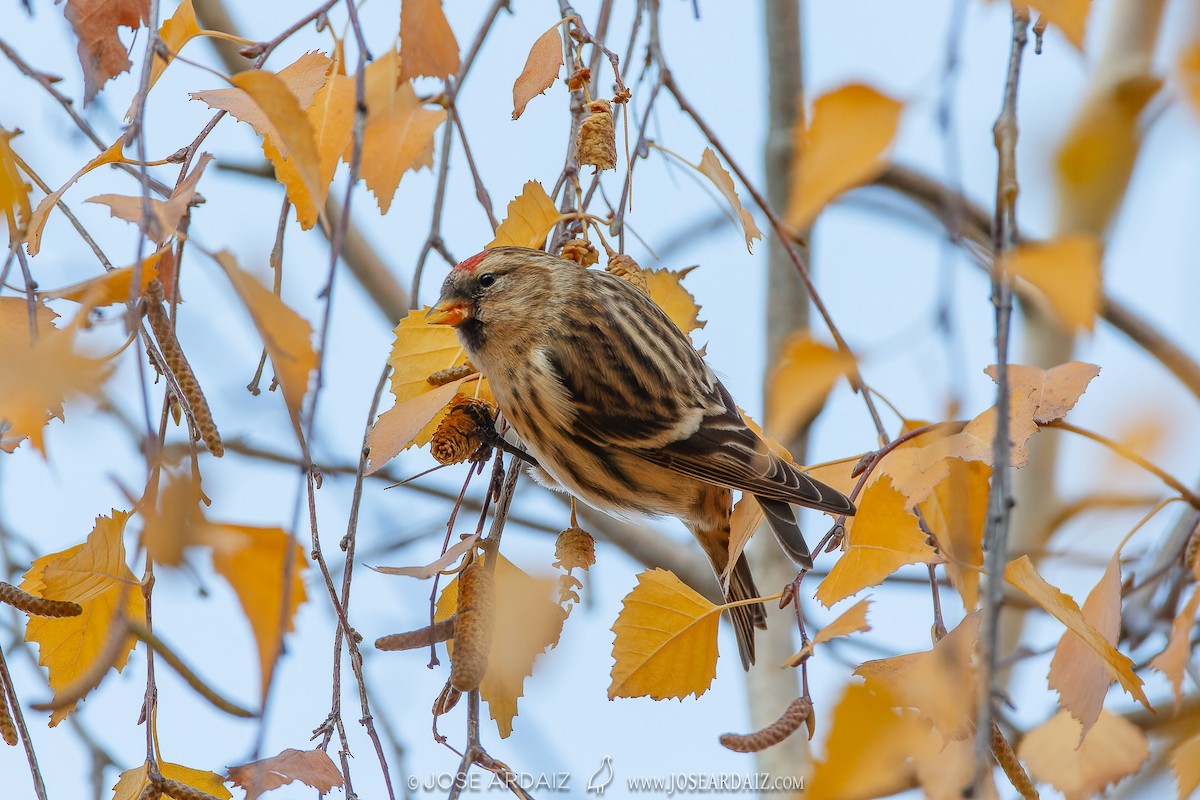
[10,691]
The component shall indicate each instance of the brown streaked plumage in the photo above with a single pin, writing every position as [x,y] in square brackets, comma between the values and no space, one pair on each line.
[619,409]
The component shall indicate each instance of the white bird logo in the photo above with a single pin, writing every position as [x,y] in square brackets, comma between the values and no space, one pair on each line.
[601,778]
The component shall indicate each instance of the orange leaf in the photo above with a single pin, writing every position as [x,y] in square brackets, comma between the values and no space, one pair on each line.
[111,287]
[747,517]
[956,512]
[866,751]
[1078,673]
[665,288]
[527,622]
[1022,574]
[14,191]
[1188,71]
[401,425]
[180,29]
[530,217]
[37,220]
[710,167]
[666,640]
[801,380]
[131,782]
[311,767]
[254,566]
[850,130]
[938,683]
[94,575]
[1067,273]
[427,45]
[1185,761]
[101,52]
[1054,753]
[541,68]
[1053,392]
[1173,659]
[1069,16]
[852,620]
[882,537]
[166,214]
[285,333]
[332,119]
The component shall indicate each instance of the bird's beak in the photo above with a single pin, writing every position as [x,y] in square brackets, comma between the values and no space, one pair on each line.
[448,312]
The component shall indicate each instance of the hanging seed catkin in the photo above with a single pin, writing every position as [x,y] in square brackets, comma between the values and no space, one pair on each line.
[463,432]
[38,606]
[581,251]
[627,269]
[189,387]
[596,144]
[444,376]
[7,729]
[799,711]
[473,627]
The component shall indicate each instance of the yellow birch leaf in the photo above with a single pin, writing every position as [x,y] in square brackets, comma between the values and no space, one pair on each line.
[332,119]
[528,621]
[131,782]
[938,683]
[1069,16]
[167,214]
[883,536]
[311,767]
[427,44]
[836,473]
[286,334]
[303,78]
[1188,71]
[1054,391]
[255,570]
[1054,753]
[866,751]
[399,132]
[94,575]
[101,52]
[1173,659]
[852,620]
[1078,673]
[14,191]
[956,513]
[1185,761]
[801,380]
[530,217]
[37,220]
[38,376]
[1067,273]
[399,426]
[293,139]
[180,29]
[665,288]
[850,131]
[541,68]
[746,519]
[710,167]
[1098,153]
[110,288]
[944,767]
[666,640]
[1022,574]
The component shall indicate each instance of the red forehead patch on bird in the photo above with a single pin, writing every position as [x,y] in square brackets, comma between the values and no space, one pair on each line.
[469,264]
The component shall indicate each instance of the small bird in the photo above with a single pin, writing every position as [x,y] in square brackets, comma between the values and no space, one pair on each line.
[616,406]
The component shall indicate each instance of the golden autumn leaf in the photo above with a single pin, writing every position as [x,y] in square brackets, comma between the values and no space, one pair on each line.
[944,767]
[530,217]
[427,45]
[166,214]
[311,767]
[101,51]
[541,68]
[302,79]
[1096,157]
[527,621]
[801,380]
[1024,576]
[331,117]
[39,375]
[938,683]
[1054,753]
[866,751]
[882,537]
[131,782]
[177,31]
[851,129]
[746,519]
[286,335]
[37,220]
[1069,16]
[1187,69]
[956,513]
[177,522]
[1078,673]
[14,191]
[836,473]
[665,288]
[710,167]
[666,640]
[399,132]
[1185,761]
[1174,658]
[852,620]
[94,575]
[403,424]
[110,288]
[1067,273]
[255,568]
[1055,391]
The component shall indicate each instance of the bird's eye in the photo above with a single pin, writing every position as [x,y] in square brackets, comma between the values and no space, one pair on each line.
[487,279]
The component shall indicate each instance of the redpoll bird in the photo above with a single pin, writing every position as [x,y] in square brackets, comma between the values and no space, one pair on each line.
[619,409]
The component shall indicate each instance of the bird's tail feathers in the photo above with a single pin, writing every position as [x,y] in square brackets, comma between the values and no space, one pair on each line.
[782,519]
[748,617]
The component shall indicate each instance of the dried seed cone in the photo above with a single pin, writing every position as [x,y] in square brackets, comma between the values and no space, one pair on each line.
[473,627]
[7,729]
[38,606]
[596,144]
[799,711]
[627,269]
[581,251]
[442,377]
[463,432]
[575,548]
